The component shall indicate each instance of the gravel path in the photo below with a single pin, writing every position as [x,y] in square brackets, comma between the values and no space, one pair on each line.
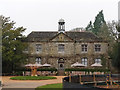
[7,83]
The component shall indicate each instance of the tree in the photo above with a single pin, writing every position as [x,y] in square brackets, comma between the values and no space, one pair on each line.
[116,53]
[116,56]
[108,32]
[12,45]
[89,26]
[99,21]
[113,29]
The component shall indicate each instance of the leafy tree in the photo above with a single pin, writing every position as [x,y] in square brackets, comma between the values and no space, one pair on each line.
[116,56]
[12,45]
[116,53]
[108,32]
[113,30]
[99,21]
[89,26]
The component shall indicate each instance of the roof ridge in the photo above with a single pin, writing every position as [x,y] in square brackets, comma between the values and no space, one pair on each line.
[46,35]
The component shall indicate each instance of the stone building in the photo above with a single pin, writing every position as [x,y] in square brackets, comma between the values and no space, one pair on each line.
[63,48]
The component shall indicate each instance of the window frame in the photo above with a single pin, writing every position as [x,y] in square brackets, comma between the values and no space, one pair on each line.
[61,48]
[97,47]
[84,61]
[38,48]
[38,60]
[84,48]
[98,60]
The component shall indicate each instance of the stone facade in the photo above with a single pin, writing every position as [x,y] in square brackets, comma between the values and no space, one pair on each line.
[72,48]
[72,51]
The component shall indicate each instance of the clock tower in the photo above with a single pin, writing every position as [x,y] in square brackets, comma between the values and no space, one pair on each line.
[61,25]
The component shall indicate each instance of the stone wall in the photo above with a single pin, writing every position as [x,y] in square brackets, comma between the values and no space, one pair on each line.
[72,53]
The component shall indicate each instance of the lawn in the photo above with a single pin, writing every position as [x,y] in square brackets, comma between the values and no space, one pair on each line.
[59,86]
[32,78]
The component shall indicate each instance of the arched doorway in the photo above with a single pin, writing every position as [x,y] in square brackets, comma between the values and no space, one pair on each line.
[61,66]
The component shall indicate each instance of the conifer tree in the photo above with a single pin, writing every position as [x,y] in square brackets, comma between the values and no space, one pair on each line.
[99,21]
[89,26]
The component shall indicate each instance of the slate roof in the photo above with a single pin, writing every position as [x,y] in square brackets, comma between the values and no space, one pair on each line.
[77,36]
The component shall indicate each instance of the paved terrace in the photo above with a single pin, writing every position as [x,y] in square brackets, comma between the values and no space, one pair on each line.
[8,83]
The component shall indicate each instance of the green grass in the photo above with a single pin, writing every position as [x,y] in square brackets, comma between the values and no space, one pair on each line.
[59,86]
[32,78]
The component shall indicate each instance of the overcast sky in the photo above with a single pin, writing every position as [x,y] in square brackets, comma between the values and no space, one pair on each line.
[43,15]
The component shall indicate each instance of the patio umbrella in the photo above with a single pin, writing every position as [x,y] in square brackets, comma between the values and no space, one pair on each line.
[28,65]
[31,65]
[46,65]
[37,65]
[96,65]
[77,65]
[33,68]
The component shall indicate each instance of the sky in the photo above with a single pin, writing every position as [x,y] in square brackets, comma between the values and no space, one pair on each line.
[43,15]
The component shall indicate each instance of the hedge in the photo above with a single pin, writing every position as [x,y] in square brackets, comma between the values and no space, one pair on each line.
[39,69]
[87,70]
[68,69]
[32,78]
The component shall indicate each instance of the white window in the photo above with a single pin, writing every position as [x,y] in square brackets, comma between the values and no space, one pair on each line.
[38,47]
[98,60]
[61,48]
[84,61]
[38,60]
[84,47]
[97,47]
